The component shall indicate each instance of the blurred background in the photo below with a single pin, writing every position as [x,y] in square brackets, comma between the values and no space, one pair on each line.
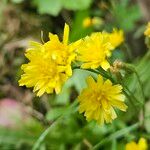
[23,116]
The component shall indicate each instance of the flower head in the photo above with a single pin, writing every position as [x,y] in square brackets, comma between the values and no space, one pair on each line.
[147,31]
[94,51]
[116,37]
[98,100]
[49,64]
[141,145]
[95,21]
[87,22]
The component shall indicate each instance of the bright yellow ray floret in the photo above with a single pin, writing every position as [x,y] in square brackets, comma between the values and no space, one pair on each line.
[94,51]
[141,145]
[98,100]
[116,37]
[49,64]
[147,31]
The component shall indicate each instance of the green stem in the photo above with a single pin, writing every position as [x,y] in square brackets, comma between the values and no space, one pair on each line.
[141,86]
[94,71]
[130,99]
[133,69]
[116,135]
[131,94]
[44,134]
[128,51]
[50,128]
[106,74]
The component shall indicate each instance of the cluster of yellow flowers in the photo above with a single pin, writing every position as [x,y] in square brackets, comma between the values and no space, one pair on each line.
[49,67]
[141,145]
[50,64]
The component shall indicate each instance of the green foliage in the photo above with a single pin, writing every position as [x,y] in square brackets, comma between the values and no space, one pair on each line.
[76,5]
[53,7]
[125,15]
[22,138]
[78,31]
[71,130]
[17,1]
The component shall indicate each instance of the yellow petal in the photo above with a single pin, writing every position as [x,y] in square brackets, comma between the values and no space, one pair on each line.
[119,104]
[101,117]
[132,146]
[142,144]
[66,34]
[35,44]
[91,82]
[105,65]
[53,37]
[100,80]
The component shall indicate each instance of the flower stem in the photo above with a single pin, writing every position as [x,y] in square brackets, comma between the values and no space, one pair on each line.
[116,135]
[44,134]
[50,128]
[142,91]
[132,68]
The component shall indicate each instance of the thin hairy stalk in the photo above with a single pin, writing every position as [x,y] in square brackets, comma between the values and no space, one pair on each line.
[133,69]
[50,128]
[142,91]
[130,99]
[44,134]
[116,135]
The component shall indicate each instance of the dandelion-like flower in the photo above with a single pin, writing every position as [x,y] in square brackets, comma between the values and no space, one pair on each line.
[141,145]
[49,64]
[116,37]
[98,100]
[147,31]
[94,51]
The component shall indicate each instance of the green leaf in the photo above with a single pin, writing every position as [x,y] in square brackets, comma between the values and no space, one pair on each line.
[17,1]
[76,5]
[52,7]
[79,79]
[121,13]
[78,31]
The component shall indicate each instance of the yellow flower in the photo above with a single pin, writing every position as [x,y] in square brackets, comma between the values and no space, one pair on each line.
[116,37]
[87,22]
[147,31]
[141,145]
[94,51]
[49,64]
[98,100]
[132,146]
